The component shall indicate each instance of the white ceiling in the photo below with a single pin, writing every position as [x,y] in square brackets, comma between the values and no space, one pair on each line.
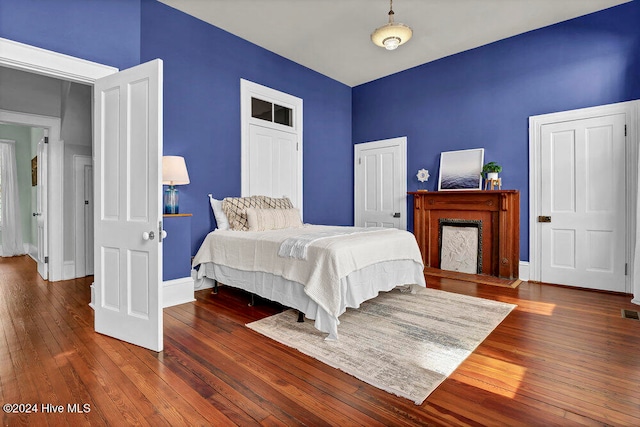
[332,37]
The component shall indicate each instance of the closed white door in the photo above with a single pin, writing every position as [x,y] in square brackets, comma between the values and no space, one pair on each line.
[83,171]
[41,211]
[381,183]
[273,163]
[128,209]
[582,210]
[88,218]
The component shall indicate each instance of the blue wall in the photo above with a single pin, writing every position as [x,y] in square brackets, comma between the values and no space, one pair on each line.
[483,98]
[203,66]
[479,98]
[107,32]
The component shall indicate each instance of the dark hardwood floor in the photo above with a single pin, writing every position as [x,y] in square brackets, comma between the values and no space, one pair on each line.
[563,357]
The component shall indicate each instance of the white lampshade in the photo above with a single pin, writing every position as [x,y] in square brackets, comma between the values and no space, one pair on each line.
[174,170]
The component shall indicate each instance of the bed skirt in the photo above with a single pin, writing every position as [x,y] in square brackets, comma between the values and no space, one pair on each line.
[357,287]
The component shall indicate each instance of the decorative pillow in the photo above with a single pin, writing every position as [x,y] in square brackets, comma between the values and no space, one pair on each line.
[273,219]
[274,203]
[236,210]
[218,213]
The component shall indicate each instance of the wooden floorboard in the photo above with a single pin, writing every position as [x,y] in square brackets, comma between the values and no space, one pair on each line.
[563,357]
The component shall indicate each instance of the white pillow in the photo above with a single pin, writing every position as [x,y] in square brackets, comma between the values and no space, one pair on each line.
[221,218]
[273,219]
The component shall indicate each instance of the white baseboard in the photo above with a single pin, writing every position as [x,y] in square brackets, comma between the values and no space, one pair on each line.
[177,291]
[174,292]
[636,301]
[523,270]
[69,270]
[93,296]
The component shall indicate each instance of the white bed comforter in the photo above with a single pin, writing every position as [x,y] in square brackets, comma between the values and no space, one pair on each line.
[328,259]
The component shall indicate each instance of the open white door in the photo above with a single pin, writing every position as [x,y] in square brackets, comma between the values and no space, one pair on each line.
[381,183]
[41,211]
[128,210]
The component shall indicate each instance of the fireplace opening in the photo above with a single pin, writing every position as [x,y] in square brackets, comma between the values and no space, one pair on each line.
[460,245]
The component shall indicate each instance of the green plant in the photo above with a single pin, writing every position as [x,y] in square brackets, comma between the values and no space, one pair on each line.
[491,167]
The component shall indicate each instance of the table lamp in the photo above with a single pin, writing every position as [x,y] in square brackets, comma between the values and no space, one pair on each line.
[174,172]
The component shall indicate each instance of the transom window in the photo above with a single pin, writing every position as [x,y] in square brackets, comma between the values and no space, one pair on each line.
[271,112]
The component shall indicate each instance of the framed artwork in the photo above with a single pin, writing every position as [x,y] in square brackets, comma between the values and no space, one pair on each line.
[460,170]
[34,171]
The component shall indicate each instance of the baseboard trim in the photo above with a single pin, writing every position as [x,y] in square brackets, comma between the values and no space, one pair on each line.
[93,297]
[69,270]
[177,291]
[523,270]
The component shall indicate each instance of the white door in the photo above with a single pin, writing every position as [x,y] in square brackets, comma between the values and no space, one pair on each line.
[41,211]
[88,219]
[128,211]
[273,165]
[381,183]
[582,211]
[83,171]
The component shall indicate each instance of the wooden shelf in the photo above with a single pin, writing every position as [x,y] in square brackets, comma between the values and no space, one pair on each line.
[499,212]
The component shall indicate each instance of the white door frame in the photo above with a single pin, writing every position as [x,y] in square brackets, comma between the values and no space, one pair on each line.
[632,110]
[52,64]
[53,213]
[402,141]
[249,89]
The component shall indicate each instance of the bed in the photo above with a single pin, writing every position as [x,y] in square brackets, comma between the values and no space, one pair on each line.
[318,270]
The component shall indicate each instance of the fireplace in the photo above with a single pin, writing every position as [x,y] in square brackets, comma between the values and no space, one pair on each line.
[460,245]
[493,216]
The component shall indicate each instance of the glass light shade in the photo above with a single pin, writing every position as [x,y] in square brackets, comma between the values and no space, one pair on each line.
[391,35]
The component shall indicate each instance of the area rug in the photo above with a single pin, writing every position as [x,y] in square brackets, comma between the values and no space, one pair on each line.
[403,343]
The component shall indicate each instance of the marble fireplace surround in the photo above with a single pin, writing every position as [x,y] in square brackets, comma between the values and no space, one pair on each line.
[460,243]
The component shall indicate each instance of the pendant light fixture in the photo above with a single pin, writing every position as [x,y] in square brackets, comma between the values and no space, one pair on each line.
[391,35]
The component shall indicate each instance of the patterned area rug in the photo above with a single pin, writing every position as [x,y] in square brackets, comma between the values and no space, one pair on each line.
[403,343]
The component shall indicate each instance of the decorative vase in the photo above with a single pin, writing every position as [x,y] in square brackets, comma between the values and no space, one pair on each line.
[492,176]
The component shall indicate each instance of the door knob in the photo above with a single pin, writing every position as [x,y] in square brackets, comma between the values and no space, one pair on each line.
[396,215]
[148,235]
[36,214]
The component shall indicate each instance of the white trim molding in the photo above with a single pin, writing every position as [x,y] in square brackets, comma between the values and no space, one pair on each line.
[69,270]
[53,64]
[248,90]
[177,291]
[523,271]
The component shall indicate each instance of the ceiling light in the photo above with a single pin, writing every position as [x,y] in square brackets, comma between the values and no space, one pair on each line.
[391,35]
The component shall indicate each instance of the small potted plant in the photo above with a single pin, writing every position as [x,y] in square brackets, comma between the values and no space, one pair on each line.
[490,170]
